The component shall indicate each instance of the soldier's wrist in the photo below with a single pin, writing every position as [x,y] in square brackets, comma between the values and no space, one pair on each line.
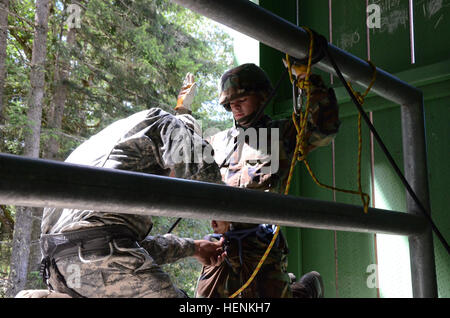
[180,110]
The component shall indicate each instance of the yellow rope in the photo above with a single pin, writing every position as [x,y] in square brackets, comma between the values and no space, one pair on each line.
[374,77]
[365,198]
[300,136]
[303,118]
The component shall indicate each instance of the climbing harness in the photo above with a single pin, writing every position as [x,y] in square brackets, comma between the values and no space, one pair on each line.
[264,233]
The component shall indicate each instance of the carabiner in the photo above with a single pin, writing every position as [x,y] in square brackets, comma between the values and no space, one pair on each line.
[111,250]
[297,98]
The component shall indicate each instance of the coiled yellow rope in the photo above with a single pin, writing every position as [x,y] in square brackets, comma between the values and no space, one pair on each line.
[303,118]
[365,198]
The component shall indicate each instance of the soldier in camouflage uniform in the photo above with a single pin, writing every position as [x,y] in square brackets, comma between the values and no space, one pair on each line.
[101,254]
[244,90]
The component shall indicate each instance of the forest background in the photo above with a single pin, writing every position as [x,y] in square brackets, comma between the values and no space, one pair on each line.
[70,68]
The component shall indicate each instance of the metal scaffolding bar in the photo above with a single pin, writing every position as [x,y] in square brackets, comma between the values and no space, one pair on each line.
[44,183]
[264,26]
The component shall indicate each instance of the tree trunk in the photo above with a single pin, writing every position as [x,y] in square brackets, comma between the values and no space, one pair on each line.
[23,225]
[35,256]
[37,79]
[51,147]
[62,69]
[20,251]
[4,6]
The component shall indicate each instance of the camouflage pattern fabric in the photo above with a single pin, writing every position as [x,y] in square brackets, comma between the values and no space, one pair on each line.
[168,248]
[251,167]
[272,280]
[128,272]
[323,119]
[144,142]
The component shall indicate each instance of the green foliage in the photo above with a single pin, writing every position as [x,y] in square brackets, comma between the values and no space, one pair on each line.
[127,56]
[12,133]
[34,281]
[185,272]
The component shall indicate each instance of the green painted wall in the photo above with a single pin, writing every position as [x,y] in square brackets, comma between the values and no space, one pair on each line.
[342,257]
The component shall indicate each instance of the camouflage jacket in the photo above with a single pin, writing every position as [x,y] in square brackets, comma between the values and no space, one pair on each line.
[251,166]
[262,157]
[144,142]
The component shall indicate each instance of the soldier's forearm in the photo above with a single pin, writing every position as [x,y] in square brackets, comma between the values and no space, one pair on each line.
[168,248]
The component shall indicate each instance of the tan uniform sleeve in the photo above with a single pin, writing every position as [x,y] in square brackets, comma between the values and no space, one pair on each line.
[168,248]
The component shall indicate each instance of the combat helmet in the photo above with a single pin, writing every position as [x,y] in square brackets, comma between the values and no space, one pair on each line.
[242,80]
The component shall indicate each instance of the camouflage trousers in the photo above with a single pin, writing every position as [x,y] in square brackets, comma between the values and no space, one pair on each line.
[272,280]
[128,272]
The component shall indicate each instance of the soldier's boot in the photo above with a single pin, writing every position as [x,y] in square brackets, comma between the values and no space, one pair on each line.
[313,284]
[310,285]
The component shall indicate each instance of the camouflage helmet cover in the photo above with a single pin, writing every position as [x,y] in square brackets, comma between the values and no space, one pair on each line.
[242,80]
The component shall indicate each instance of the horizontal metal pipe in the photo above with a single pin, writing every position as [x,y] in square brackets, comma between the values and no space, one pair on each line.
[43,183]
[276,32]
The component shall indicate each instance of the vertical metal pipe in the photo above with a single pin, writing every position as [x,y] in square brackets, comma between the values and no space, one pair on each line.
[423,270]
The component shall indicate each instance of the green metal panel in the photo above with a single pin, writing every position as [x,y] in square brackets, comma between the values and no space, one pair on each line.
[295,256]
[318,246]
[315,15]
[432,23]
[438,132]
[349,26]
[294,235]
[319,255]
[271,59]
[390,47]
[355,250]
